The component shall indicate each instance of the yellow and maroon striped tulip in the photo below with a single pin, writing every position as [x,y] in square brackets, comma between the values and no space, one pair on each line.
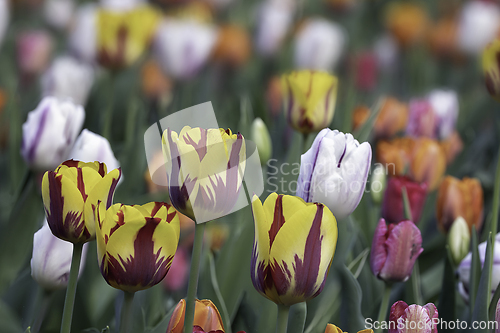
[204,171]
[70,196]
[294,246]
[309,99]
[491,68]
[330,328]
[136,244]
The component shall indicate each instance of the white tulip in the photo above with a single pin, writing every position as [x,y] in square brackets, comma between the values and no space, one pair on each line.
[90,147]
[274,20]
[4,18]
[83,36]
[59,13]
[445,106]
[478,25]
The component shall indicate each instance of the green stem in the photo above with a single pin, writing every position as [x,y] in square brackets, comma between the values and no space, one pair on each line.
[108,114]
[193,277]
[304,143]
[415,283]
[384,306]
[126,313]
[282,320]
[496,199]
[69,302]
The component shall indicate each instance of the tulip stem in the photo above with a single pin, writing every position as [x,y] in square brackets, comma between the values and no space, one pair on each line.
[126,313]
[69,302]
[496,199]
[282,320]
[304,142]
[193,277]
[415,282]
[384,306]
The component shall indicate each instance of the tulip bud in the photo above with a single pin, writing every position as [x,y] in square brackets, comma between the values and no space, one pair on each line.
[68,78]
[407,22]
[395,248]
[233,46]
[393,209]
[319,45]
[478,25]
[491,69]
[293,248]
[4,18]
[273,21]
[261,137]
[422,120]
[392,118]
[49,133]
[378,183]
[51,259]
[465,266]
[33,51]
[413,318]
[83,35]
[90,147]
[459,239]
[459,198]
[309,100]
[182,47]
[59,13]
[206,317]
[334,172]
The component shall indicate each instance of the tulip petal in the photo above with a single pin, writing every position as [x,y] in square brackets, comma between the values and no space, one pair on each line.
[379,252]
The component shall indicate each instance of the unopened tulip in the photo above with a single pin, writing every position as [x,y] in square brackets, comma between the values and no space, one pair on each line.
[309,100]
[395,248]
[136,244]
[90,147]
[233,46]
[422,120]
[33,51]
[478,25]
[491,69]
[319,45]
[205,171]
[59,13]
[274,20]
[392,118]
[4,18]
[378,183]
[124,35]
[68,78]
[459,198]
[206,317]
[407,22]
[334,172]
[330,328]
[413,318]
[50,132]
[183,47]
[70,196]
[293,248]
[51,259]
[464,268]
[393,209]
[459,239]
[262,138]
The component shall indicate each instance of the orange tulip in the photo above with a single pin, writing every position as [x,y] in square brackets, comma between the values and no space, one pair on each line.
[155,84]
[359,116]
[392,118]
[407,22]
[443,38]
[233,46]
[274,95]
[459,198]
[396,154]
[206,316]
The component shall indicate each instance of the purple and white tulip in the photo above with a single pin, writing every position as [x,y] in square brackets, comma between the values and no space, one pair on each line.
[478,25]
[274,20]
[405,318]
[445,106]
[334,172]
[90,147]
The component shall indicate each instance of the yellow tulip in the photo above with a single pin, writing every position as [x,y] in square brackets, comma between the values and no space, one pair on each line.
[491,69]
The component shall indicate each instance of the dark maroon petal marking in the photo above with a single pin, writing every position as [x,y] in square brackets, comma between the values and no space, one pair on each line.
[74,221]
[280,276]
[157,207]
[101,170]
[112,189]
[80,184]
[55,217]
[39,131]
[342,156]
[327,104]
[171,216]
[278,220]
[70,163]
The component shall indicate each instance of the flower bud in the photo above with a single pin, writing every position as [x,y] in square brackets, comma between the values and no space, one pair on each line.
[319,45]
[274,95]
[59,13]
[478,25]
[155,84]
[206,317]
[33,51]
[443,38]
[395,248]
[413,318]
[121,5]
[330,328]
[393,209]
[49,133]
[459,239]
[90,147]
[359,116]
[83,34]
[378,183]
[452,146]
[459,198]
[491,68]
[365,68]
[260,135]
[51,259]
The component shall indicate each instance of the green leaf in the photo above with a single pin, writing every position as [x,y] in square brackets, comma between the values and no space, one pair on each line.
[163,324]
[9,323]
[297,318]
[329,304]
[493,303]
[221,305]
[480,313]
[28,330]
[446,303]
[352,319]
[475,271]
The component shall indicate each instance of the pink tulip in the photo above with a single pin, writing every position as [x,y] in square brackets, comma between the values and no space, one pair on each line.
[413,318]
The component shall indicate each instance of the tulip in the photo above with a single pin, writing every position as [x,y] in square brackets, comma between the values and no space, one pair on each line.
[443,37]
[124,35]
[422,120]
[359,116]
[121,5]
[293,249]
[59,13]
[378,183]
[136,244]
[51,259]
[395,248]
[464,268]
[393,208]
[392,118]
[330,328]
[407,22]
[319,45]
[444,103]
[459,239]
[262,138]
[413,318]
[204,171]
[90,147]
[478,25]
[206,317]
[33,51]
[4,18]
[309,100]
[491,68]
[459,198]
[182,47]
[70,196]
[366,71]
[155,84]
[83,35]
[274,95]
[68,78]
[49,133]
[233,46]
[274,20]
[334,172]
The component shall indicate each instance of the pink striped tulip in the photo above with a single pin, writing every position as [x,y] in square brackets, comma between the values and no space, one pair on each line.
[413,318]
